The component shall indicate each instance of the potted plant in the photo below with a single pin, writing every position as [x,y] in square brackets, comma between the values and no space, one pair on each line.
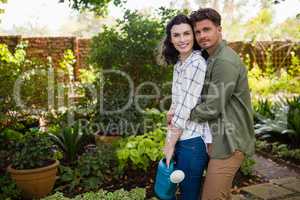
[69,140]
[33,165]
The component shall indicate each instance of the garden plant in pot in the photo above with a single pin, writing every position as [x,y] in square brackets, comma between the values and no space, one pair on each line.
[33,165]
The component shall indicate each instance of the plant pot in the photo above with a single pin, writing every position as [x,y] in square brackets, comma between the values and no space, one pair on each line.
[35,183]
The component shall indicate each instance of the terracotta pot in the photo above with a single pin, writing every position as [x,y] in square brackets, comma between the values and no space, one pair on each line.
[35,183]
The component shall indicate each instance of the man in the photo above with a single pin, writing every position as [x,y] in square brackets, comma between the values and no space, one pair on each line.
[226,106]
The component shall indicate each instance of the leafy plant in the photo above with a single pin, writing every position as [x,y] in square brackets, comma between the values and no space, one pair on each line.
[34,150]
[264,108]
[99,7]
[93,166]
[247,166]
[154,119]
[89,171]
[69,140]
[136,194]
[294,68]
[293,118]
[129,47]
[278,150]
[8,140]
[141,150]
[1,9]
[10,69]
[20,98]
[285,126]
[267,80]
[8,189]
[261,145]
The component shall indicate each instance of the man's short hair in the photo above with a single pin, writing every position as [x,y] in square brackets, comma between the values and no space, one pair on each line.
[206,13]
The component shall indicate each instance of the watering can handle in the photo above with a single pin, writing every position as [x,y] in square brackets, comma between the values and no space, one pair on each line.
[171,163]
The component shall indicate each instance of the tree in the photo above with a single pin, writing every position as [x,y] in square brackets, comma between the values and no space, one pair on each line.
[97,6]
[259,27]
[2,2]
[208,3]
[131,47]
[30,29]
[85,24]
[1,9]
[287,30]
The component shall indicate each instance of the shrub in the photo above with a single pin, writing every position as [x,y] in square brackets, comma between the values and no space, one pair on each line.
[265,84]
[279,150]
[26,84]
[95,164]
[264,107]
[130,47]
[293,119]
[89,171]
[8,139]
[266,80]
[155,119]
[247,166]
[16,68]
[8,189]
[69,140]
[34,150]
[285,126]
[141,150]
[136,194]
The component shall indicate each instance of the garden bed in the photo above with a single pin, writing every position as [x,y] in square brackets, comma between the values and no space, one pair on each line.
[280,153]
[290,163]
[138,178]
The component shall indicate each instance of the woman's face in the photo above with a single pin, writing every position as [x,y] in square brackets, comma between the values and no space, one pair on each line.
[182,38]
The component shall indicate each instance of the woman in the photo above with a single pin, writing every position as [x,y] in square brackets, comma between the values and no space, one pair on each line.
[187,138]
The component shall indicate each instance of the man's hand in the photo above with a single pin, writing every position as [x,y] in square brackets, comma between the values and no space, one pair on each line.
[209,149]
[170,115]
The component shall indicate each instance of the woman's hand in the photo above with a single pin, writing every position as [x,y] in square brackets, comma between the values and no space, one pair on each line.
[168,151]
[172,136]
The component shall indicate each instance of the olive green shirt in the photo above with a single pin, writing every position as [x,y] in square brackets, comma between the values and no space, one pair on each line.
[226,104]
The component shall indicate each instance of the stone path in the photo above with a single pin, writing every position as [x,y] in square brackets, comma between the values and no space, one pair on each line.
[271,170]
[284,183]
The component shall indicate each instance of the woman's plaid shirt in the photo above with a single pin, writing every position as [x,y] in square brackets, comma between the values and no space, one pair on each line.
[188,80]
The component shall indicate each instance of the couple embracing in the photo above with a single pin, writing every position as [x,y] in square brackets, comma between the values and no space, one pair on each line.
[210,121]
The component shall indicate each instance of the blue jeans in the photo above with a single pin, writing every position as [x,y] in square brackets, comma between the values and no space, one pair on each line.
[191,157]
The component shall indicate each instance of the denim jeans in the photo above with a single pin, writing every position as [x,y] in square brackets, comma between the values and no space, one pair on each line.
[191,157]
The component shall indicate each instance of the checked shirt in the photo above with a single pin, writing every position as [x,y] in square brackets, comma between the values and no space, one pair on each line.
[188,80]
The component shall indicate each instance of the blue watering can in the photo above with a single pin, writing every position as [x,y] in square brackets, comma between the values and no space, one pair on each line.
[164,188]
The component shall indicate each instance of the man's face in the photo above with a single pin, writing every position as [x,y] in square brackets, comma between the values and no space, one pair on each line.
[207,34]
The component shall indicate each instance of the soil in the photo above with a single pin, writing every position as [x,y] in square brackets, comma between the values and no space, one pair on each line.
[134,178]
[241,180]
